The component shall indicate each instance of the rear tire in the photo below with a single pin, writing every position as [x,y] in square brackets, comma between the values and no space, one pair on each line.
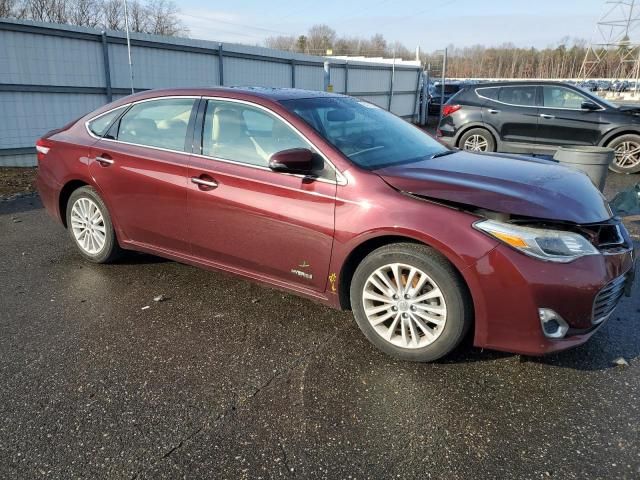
[420,318]
[625,161]
[90,227]
[477,140]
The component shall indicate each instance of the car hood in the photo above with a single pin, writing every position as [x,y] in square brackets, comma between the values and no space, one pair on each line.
[503,183]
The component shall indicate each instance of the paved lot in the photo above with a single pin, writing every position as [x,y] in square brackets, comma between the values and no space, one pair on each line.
[226,379]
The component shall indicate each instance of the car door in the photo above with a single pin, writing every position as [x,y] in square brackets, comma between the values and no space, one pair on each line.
[246,217]
[562,119]
[512,111]
[141,168]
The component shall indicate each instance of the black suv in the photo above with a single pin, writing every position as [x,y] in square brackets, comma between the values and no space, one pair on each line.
[538,117]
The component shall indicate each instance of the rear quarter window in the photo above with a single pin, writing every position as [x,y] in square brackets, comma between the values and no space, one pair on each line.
[488,92]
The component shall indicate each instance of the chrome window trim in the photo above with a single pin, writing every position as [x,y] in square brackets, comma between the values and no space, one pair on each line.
[340,178]
[535,106]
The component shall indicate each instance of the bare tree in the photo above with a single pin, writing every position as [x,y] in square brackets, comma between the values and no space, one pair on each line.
[320,38]
[281,42]
[84,12]
[163,19]
[112,15]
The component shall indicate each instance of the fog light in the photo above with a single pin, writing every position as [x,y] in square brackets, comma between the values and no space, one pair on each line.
[553,325]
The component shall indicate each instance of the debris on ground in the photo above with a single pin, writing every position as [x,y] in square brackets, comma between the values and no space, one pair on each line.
[621,362]
[159,298]
[16,180]
[145,307]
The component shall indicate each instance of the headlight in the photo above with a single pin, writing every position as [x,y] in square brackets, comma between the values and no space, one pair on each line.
[551,245]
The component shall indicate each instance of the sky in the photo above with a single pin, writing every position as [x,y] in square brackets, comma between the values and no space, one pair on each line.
[430,24]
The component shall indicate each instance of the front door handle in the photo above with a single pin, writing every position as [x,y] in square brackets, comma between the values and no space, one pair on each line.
[491,110]
[104,161]
[206,183]
[547,116]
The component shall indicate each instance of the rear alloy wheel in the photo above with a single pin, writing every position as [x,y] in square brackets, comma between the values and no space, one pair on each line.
[409,302]
[627,154]
[477,140]
[90,226]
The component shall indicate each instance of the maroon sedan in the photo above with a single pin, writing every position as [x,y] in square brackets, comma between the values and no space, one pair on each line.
[337,200]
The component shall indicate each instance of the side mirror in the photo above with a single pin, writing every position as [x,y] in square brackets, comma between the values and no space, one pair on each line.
[296,160]
[589,106]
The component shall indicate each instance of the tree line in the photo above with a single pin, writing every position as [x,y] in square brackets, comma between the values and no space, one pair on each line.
[159,17]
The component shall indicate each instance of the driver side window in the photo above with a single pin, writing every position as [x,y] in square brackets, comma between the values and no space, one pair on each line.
[245,134]
[560,97]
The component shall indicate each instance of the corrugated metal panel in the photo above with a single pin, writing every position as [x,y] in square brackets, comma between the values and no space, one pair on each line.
[157,68]
[240,71]
[405,80]
[26,58]
[309,77]
[18,160]
[337,79]
[26,115]
[403,104]
[369,80]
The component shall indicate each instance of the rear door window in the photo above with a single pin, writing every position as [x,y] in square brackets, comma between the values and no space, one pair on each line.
[524,96]
[158,123]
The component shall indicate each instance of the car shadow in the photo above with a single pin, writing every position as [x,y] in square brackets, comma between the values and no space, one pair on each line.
[138,258]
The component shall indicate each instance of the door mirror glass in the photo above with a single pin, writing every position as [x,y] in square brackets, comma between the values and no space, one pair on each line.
[296,160]
[589,106]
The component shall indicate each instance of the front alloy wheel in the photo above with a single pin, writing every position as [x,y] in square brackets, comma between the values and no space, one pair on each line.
[410,302]
[404,305]
[627,154]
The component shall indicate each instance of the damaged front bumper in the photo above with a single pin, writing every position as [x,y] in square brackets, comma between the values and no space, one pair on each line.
[512,289]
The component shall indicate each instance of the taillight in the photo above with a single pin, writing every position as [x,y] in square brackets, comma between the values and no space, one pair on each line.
[449,109]
[42,148]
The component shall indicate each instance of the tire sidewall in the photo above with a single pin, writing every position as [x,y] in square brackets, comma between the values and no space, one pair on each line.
[491,144]
[442,273]
[110,244]
[617,141]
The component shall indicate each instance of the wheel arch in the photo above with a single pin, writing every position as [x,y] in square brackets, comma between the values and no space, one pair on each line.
[618,132]
[65,193]
[368,245]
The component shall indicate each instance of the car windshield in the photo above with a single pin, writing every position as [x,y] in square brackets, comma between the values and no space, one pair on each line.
[368,135]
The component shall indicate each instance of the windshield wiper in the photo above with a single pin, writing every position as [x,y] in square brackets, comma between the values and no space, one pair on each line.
[442,153]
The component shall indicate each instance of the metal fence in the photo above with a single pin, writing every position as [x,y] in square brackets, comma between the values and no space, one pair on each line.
[51,74]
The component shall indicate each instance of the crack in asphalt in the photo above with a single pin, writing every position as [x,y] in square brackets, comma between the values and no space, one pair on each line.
[233,406]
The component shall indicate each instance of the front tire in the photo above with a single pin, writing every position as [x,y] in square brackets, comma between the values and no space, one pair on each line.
[477,140]
[627,154]
[410,302]
[90,227]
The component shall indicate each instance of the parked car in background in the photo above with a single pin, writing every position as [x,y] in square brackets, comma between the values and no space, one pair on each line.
[436,98]
[539,117]
[337,200]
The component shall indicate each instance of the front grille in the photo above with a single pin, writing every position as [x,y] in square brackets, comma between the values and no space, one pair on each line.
[607,300]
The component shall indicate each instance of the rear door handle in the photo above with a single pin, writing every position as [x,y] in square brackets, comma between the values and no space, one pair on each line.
[206,183]
[547,116]
[491,110]
[104,161]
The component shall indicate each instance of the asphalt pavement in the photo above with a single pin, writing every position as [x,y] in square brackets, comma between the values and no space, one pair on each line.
[227,379]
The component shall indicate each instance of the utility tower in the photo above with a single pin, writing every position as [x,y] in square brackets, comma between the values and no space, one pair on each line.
[616,42]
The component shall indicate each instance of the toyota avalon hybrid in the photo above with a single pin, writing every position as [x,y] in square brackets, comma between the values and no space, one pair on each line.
[335,199]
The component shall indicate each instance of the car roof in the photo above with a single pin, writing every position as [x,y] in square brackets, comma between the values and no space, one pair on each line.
[269,93]
[517,82]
